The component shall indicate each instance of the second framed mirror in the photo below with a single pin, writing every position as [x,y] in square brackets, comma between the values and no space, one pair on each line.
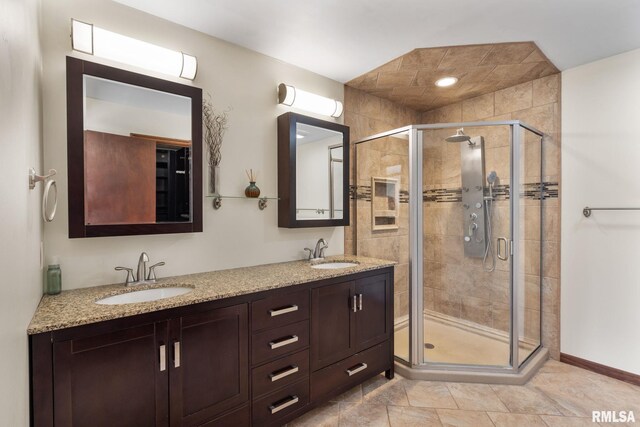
[313,172]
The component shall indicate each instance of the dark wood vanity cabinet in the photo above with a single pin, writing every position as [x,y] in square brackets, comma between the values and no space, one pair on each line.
[184,371]
[261,359]
[374,316]
[349,317]
[351,332]
[208,357]
[113,376]
[332,325]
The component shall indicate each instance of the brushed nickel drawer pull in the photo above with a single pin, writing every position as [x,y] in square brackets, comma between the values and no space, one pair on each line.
[359,301]
[277,407]
[283,341]
[278,375]
[176,354]
[354,306]
[283,310]
[353,370]
[163,358]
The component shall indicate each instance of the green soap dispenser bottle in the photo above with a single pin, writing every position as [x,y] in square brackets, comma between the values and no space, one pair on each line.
[53,282]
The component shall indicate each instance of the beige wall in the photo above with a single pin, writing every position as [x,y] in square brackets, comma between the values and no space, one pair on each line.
[600,269]
[20,221]
[367,115]
[237,235]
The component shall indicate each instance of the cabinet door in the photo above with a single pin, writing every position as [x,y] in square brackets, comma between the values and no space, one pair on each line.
[332,324]
[209,364]
[373,320]
[112,379]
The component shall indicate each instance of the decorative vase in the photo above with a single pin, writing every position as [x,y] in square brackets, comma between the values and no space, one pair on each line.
[252,190]
[214,180]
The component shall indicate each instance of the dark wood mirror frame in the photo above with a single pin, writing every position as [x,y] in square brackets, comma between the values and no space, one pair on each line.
[76,69]
[287,143]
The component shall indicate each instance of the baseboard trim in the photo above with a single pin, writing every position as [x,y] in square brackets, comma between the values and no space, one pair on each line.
[618,374]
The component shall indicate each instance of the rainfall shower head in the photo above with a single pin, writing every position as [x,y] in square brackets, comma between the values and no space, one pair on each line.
[459,137]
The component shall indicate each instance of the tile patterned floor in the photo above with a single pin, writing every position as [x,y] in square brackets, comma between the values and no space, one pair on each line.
[559,395]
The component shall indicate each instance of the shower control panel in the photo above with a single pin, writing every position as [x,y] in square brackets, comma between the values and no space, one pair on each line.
[473,178]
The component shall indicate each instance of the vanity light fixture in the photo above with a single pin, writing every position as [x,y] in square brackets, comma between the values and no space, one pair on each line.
[446,81]
[93,40]
[297,98]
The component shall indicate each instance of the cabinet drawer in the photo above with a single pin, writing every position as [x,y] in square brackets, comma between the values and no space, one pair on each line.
[275,406]
[280,310]
[351,371]
[277,342]
[280,373]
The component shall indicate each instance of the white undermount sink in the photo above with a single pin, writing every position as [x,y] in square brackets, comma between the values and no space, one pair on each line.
[144,295]
[334,265]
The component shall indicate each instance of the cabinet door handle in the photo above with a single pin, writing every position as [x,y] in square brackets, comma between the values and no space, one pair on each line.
[283,341]
[357,368]
[278,375]
[163,358]
[359,301]
[285,403]
[176,354]
[354,305]
[283,310]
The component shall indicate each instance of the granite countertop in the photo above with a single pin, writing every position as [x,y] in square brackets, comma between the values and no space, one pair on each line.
[77,306]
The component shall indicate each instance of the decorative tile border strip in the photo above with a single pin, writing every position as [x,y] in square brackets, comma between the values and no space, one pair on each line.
[532,191]
[360,192]
[535,191]
[363,192]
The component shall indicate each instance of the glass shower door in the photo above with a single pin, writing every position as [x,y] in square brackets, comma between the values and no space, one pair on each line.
[528,260]
[382,218]
[465,252]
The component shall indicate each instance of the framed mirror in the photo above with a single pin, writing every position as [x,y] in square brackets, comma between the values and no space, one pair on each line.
[313,172]
[134,153]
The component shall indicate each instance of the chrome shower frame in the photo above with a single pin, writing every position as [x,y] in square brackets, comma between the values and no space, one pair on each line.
[416,367]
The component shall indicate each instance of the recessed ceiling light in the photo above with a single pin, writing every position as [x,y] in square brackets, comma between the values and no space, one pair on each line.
[446,81]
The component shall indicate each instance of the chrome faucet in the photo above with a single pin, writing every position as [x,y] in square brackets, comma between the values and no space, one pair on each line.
[142,266]
[318,252]
[144,275]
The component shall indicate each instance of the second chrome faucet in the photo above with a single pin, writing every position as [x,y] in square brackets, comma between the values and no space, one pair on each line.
[143,275]
[318,252]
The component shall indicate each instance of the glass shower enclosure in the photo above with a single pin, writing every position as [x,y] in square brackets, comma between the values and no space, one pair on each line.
[459,207]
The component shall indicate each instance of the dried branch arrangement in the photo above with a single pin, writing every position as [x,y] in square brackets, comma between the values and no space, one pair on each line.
[253,177]
[215,125]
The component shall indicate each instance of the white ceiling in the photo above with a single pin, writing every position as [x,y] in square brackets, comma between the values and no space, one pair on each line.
[342,39]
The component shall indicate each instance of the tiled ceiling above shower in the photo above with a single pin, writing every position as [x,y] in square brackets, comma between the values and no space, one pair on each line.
[410,79]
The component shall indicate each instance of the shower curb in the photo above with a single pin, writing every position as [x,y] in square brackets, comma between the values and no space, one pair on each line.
[509,378]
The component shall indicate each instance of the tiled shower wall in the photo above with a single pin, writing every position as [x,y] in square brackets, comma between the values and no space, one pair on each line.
[367,115]
[481,298]
[460,288]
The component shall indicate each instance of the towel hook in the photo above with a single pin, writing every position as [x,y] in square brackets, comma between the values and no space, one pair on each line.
[34,178]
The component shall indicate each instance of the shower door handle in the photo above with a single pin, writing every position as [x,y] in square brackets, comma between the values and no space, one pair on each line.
[503,256]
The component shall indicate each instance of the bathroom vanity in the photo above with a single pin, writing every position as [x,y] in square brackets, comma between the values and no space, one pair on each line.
[250,346]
